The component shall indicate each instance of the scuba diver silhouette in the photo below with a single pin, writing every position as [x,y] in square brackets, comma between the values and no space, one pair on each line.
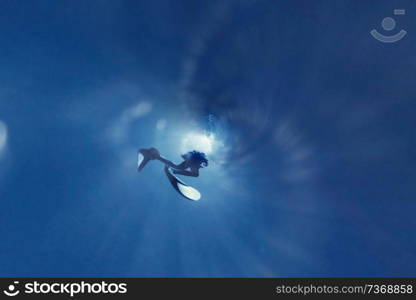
[193,161]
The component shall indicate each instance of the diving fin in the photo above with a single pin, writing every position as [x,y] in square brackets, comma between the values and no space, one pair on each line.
[144,155]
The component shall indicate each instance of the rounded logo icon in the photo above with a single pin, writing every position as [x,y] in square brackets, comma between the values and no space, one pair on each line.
[11,290]
[388,24]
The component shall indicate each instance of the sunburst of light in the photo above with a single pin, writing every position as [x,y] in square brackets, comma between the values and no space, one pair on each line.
[200,142]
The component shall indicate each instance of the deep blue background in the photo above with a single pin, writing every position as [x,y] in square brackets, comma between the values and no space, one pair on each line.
[317,119]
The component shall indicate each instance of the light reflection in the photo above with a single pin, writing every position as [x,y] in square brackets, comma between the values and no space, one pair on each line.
[3,136]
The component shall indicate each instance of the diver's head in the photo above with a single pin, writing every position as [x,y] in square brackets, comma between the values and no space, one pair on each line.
[196,158]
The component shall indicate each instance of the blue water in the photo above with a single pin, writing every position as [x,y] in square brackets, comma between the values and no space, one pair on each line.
[309,122]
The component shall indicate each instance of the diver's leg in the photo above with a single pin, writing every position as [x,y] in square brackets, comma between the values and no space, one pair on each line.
[192,173]
[153,154]
[171,164]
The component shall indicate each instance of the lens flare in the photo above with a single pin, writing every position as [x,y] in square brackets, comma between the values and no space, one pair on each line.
[199,142]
